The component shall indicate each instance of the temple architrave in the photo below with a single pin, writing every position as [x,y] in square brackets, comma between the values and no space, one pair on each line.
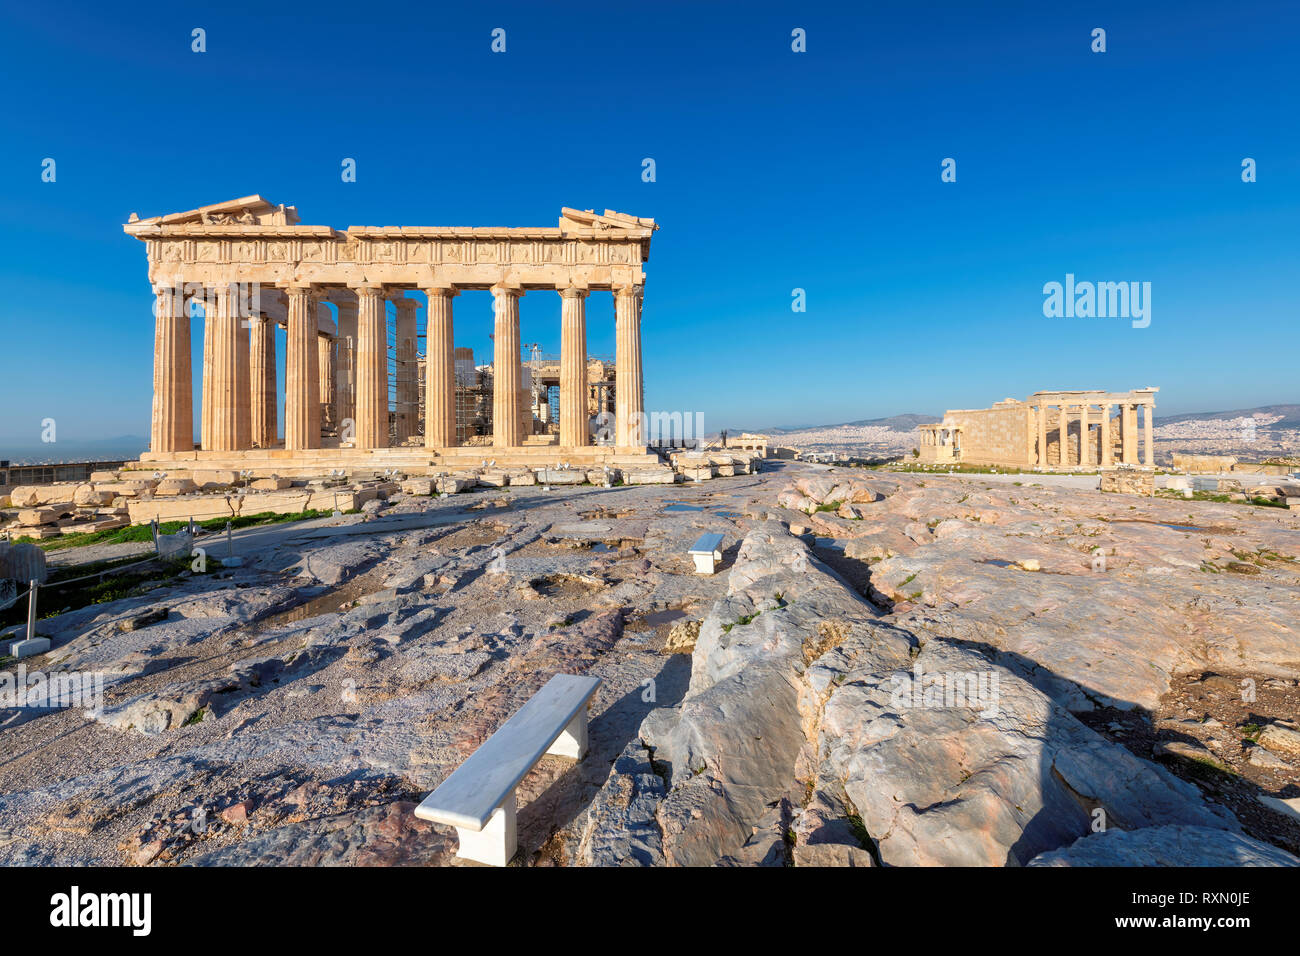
[254,269]
[1048,430]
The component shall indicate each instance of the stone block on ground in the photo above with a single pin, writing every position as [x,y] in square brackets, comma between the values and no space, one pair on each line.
[561,476]
[171,487]
[1129,481]
[270,484]
[454,484]
[418,486]
[31,517]
[88,496]
[29,496]
[664,476]
[214,479]
[131,488]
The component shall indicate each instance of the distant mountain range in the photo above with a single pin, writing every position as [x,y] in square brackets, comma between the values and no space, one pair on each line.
[902,423]
[905,423]
[1290,416]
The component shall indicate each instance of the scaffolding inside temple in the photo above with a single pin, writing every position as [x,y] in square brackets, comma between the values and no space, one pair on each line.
[539,404]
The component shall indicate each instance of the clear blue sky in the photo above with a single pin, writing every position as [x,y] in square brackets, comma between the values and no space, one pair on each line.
[775,170]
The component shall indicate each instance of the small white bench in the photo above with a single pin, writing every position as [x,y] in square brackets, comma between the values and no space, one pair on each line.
[706,553]
[478,799]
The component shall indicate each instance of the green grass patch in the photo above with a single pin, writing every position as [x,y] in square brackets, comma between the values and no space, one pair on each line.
[740,622]
[1220,498]
[140,532]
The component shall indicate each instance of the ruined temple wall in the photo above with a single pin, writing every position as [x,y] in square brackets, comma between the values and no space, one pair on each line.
[995,436]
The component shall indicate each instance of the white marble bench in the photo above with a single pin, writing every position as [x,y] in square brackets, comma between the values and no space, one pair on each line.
[706,553]
[478,799]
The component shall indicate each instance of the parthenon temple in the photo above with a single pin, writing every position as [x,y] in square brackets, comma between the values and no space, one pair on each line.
[1048,430]
[356,386]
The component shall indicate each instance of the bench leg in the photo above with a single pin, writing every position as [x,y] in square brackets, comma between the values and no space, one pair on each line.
[705,563]
[496,843]
[573,742]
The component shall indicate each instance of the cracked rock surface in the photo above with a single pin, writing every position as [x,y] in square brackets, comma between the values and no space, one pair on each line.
[887,669]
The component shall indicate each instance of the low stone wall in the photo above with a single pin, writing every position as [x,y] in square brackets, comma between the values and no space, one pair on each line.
[205,507]
[1129,481]
[1203,464]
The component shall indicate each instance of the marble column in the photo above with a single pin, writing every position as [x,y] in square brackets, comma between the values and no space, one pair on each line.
[1042,435]
[301,372]
[221,368]
[1106,449]
[506,371]
[173,386]
[629,411]
[243,370]
[407,381]
[265,417]
[573,367]
[439,371]
[1128,434]
[325,365]
[1148,437]
[372,368]
[1085,435]
[345,371]
[205,396]
[1063,428]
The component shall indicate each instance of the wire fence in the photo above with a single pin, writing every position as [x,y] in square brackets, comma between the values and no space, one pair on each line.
[177,546]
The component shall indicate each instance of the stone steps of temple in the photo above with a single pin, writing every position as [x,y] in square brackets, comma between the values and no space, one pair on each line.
[412,460]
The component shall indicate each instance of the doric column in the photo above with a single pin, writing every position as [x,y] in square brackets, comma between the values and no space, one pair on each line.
[205,391]
[1128,434]
[506,372]
[1085,435]
[407,381]
[221,364]
[301,372]
[372,368]
[573,367]
[629,410]
[1042,435]
[173,387]
[243,370]
[265,420]
[345,371]
[1148,437]
[1106,450]
[1030,438]
[1063,427]
[325,367]
[439,371]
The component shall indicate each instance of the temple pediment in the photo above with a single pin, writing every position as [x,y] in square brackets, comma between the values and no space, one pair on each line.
[572,220]
[248,211]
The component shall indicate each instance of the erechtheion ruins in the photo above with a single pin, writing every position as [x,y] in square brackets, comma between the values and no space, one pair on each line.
[1028,434]
[357,390]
